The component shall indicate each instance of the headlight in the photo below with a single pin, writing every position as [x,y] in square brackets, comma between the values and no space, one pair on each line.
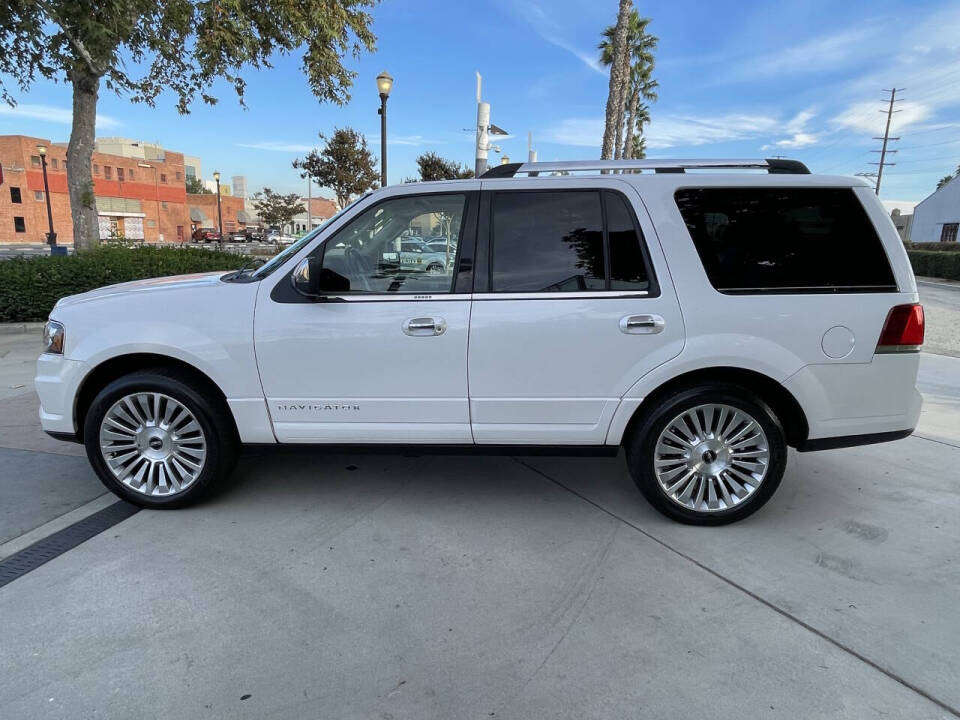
[53,334]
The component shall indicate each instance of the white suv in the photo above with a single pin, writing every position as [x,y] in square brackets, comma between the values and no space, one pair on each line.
[704,321]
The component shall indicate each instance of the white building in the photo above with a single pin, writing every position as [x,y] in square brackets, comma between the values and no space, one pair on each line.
[937,218]
[239,183]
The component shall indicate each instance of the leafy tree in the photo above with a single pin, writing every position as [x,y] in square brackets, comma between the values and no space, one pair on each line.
[345,165]
[196,187]
[434,167]
[619,68]
[947,178]
[276,209]
[141,48]
[640,85]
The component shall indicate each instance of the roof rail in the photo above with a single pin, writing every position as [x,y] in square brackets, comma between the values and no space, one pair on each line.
[771,165]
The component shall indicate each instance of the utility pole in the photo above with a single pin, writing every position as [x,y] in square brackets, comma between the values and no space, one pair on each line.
[531,153]
[483,125]
[886,137]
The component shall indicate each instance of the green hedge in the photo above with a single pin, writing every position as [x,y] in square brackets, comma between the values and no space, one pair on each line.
[29,286]
[935,246]
[932,263]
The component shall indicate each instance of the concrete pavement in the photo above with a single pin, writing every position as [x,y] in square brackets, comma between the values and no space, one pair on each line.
[390,587]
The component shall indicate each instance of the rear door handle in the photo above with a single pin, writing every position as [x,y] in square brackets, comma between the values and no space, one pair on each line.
[641,324]
[424,326]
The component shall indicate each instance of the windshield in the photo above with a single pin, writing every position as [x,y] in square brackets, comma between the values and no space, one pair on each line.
[278,260]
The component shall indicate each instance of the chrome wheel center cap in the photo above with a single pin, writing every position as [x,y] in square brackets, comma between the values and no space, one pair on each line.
[154,443]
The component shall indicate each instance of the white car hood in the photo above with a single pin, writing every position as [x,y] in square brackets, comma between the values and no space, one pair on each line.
[174,282]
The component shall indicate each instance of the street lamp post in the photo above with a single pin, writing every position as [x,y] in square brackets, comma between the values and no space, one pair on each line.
[384,84]
[216,176]
[51,235]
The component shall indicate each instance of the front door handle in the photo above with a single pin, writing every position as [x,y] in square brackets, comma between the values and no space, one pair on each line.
[424,326]
[641,324]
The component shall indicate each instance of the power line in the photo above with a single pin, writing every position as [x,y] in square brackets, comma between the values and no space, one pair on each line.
[886,138]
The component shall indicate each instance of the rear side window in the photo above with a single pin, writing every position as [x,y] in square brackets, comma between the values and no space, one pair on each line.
[556,242]
[785,240]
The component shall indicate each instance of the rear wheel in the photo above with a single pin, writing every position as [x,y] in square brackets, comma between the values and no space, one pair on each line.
[708,455]
[155,439]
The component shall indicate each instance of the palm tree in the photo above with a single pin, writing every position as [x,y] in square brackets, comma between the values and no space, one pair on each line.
[619,67]
[637,64]
[947,178]
[643,87]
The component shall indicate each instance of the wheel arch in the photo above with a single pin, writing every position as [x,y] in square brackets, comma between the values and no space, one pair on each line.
[784,405]
[112,368]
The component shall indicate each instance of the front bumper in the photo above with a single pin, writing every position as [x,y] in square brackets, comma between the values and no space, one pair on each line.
[58,380]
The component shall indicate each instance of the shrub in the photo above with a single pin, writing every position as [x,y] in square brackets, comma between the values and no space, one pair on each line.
[933,246]
[29,286]
[934,263]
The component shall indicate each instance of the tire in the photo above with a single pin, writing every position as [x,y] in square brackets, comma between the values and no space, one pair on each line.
[196,455]
[435,268]
[722,453]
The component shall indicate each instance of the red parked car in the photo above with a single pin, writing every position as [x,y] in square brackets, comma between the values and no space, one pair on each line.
[205,235]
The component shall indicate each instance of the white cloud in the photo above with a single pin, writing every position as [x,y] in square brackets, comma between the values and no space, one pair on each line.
[797,129]
[668,131]
[546,27]
[869,117]
[277,146]
[411,140]
[51,113]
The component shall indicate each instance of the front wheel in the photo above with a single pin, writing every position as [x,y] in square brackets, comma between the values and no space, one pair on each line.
[156,440]
[708,455]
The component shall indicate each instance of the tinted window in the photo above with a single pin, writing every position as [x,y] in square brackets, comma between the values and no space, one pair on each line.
[15,196]
[547,241]
[627,268]
[785,240]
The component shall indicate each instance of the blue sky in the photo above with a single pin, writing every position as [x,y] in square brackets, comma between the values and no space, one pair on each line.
[800,78]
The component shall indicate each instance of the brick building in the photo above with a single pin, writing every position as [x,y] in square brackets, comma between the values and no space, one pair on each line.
[203,212]
[140,198]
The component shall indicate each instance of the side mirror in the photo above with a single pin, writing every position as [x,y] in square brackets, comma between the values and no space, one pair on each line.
[316,282]
[306,277]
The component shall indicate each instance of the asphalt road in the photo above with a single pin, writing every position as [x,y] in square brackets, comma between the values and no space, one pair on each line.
[391,587]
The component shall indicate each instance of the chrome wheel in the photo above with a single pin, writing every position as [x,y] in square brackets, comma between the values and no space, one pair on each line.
[152,444]
[711,458]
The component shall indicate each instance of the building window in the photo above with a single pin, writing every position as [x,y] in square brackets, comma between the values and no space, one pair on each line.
[164,204]
[163,177]
[230,226]
[96,169]
[949,232]
[38,195]
[120,174]
[19,225]
[179,175]
[55,163]
[107,172]
[35,160]
[15,195]
[131,173]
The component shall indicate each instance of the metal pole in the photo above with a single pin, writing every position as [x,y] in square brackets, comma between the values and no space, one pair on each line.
[309,204]
[51,236]
[383,140]
[531,153]
[886,136]
[219,214]
[483,125]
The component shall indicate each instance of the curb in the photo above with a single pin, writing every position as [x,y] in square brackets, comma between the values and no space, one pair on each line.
[15,328]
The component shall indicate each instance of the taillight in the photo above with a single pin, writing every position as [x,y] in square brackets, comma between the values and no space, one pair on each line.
[903,329]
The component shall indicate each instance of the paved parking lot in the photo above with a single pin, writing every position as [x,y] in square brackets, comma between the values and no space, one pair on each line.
[390,587]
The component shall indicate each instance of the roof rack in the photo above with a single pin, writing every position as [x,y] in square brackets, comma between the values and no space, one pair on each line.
[771,165]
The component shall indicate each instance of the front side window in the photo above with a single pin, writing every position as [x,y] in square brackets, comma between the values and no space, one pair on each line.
[373,253]
[557,241]
[785,240]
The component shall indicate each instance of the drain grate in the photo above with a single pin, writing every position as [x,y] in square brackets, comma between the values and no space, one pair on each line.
[43,551]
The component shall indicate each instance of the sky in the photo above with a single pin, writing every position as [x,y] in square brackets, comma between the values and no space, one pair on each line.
[803,79]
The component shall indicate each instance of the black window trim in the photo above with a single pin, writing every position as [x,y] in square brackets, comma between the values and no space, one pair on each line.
[483,275]
[283,291]
[791,290]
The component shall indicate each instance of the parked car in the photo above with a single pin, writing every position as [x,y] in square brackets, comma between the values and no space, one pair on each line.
[703,322]
[205,235]
[440,246]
